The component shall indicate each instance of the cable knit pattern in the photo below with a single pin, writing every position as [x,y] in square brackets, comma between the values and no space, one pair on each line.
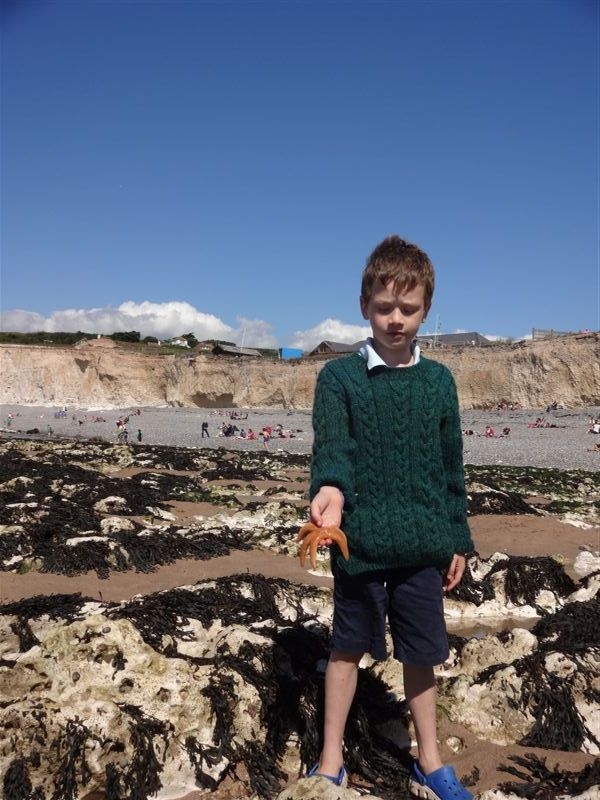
[391,440]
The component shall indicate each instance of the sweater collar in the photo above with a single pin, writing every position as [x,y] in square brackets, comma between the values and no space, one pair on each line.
[373,359]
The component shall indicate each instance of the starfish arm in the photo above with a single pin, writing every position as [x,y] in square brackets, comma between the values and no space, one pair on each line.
[313,550]
[306,529]
[339,537]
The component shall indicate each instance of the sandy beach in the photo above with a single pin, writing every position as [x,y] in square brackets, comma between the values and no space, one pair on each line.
[564,444]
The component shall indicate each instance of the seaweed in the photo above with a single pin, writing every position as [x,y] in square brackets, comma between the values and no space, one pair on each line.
[141,776]
[540,782]
[55,606]
[17,783]
[163,616]
[572,629]
[470,590]
[73,769]
[526,575]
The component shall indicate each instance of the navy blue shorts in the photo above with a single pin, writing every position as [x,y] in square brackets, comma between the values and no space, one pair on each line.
[411,599]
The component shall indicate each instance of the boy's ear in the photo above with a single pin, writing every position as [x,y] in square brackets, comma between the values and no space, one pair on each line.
[364,307]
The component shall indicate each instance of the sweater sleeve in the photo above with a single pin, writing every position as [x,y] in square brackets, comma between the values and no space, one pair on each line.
[452,454]
[333,445]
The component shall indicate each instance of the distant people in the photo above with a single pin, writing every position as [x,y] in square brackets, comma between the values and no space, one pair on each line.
[508,405]
[489,431]
[540,422]
[205,430]
[505,431]
[139,435]
[250,435]
[227,429]
[266,434]
[49,430]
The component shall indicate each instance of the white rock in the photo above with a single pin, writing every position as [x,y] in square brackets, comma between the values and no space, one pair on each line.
[108,505]
[587,562]
[160,513]
[110,525]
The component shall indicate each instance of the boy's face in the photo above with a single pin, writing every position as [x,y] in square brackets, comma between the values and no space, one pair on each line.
[395,318]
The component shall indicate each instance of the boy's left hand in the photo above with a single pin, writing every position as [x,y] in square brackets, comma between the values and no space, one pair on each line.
[454,572]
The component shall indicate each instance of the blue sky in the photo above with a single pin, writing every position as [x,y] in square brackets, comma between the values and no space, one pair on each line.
[225,167]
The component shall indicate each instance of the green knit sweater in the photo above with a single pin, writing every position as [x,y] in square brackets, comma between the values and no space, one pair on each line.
[391,440]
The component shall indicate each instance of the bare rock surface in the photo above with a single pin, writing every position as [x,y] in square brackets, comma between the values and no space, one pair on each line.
[101,374]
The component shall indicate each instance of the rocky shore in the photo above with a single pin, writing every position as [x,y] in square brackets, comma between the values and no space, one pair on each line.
[159,639]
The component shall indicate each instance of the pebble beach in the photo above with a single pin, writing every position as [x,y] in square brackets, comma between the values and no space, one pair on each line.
[568,445]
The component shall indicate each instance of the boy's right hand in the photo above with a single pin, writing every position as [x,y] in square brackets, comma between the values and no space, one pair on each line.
[326,507]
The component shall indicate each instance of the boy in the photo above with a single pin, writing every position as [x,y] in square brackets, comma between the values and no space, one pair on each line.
[387,467]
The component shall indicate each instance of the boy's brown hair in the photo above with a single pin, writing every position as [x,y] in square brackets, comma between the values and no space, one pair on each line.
[401,262]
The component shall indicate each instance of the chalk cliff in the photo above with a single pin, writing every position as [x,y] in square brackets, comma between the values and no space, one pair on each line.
[102,374]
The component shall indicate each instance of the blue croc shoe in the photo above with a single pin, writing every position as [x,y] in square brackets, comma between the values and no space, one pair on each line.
[340,780]
[442,784]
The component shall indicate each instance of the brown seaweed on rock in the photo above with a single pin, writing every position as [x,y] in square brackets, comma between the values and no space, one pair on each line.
[67,607]
[525,577]
[554,673]
[540,782]
[284,669]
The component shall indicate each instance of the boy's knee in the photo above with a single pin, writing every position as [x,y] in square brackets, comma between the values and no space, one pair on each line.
[343,657]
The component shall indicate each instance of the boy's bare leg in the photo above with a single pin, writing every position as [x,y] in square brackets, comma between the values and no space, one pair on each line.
[420,691]
[340,686]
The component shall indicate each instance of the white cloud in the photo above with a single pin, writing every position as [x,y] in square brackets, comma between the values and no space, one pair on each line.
[173,318]
[493,337]
[331,329]
[20,321]
[163,320]
[254,333]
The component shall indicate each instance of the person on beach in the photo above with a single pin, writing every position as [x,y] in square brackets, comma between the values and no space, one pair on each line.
[266,437]
[139,435]
[205,430]
[387,468]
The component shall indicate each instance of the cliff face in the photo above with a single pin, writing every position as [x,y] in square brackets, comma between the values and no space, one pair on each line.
[100,374]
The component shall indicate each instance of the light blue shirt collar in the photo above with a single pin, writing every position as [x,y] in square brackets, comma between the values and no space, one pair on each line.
[373,359]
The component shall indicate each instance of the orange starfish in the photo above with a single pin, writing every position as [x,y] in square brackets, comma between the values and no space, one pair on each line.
[311,536]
